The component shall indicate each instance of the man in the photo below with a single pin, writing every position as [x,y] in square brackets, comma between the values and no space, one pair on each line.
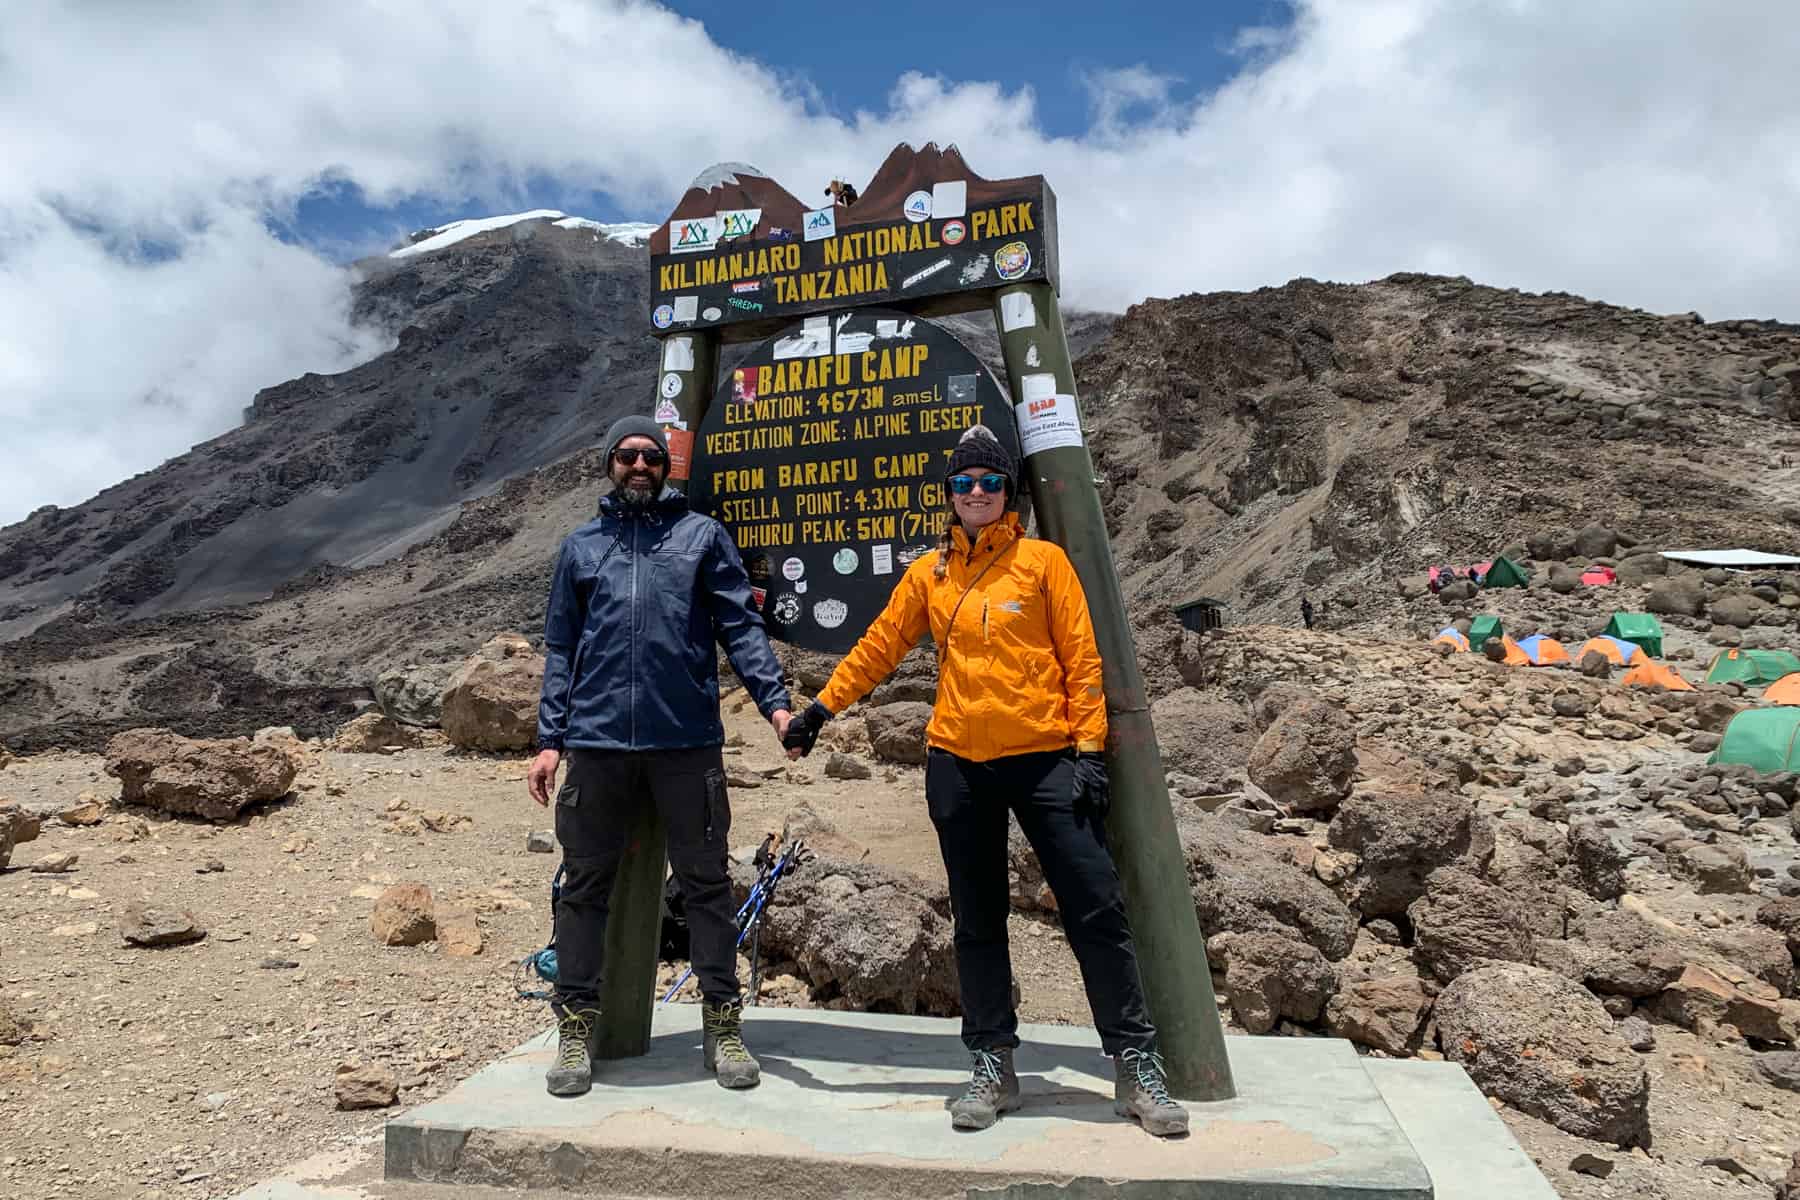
[1306,611]
[631,697]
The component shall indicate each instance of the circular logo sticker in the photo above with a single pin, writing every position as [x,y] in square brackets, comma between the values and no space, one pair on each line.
[844,561]
[953,232]
[671,385]
[830,613]
[712,314]
[664,316]
[917,208]
[1012,260]
[786,608]
[792,569]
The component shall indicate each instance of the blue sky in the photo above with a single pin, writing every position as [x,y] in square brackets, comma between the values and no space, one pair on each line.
[850,64]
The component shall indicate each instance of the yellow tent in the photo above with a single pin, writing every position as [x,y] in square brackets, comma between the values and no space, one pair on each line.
[1654,674]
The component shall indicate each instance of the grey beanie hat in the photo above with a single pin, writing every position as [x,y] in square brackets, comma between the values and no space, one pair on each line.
[635,426]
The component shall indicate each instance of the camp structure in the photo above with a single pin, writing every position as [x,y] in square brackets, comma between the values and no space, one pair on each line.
[1641,628]
[1785,690]
[1452,636]
[1599,576]
[1541,651]
[1765,738]
[1655,674]
[1505,573]
[1617,650]
[1751,667]
[1483,627]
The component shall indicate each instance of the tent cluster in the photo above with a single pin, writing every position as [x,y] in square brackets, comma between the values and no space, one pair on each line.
[1503,572]
[1631,640]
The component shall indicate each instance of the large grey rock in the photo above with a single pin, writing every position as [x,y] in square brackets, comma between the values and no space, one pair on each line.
[1762,952]
[1713,869]
[1461,923]
[1676,596]
[1385,1013]
[1737,611]
[1306,759]
[371,733]
[1551,545]
[1204,735]
[1544,1045]
[414,694]
[1783,916]
[215,779]
[1636,570]
[1619,953]
[897,731]
[1269,977]
[491,703]
[1401,839]
[1239,886]
[1597,860]
[1595,541]
[1780,1068]
[149,924]
[878,939]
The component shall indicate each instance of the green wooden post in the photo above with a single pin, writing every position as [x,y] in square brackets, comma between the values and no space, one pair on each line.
[634,924]
[1141,828]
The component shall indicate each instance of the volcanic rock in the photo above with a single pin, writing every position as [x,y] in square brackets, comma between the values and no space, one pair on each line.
[215,779]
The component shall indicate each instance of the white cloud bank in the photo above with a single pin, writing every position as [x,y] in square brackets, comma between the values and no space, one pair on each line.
[1642,152]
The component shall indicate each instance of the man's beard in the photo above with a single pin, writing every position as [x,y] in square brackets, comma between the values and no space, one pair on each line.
[637,492]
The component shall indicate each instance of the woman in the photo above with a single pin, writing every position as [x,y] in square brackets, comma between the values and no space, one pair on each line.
[1019,724]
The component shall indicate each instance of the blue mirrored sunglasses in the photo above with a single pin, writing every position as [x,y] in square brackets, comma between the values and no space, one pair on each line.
[962,485]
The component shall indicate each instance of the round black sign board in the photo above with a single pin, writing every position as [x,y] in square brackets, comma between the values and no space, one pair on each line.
[823,455]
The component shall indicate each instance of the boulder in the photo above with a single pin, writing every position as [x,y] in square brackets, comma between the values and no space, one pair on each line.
[1635,570]
[145,924]
[1713,870]
[897,731]
[1385,1014]
[1457,591]
[1204,735]
[1595,541]
[1544,1045]
[215,779]
[365,1087]
[1564,580]
[404,915]
[1783,916]
[1721,995]
[1762,952]
[371,733]
[876,939]
[839,765]
[1551,545]
[491,703]
[1401,839]
[1676,596]
[1597,861]
[458,932]
[1269,977]
[1306,759]
[1780,1069]
[1239,886]
[1619,953]
[1737,611]
[16,826]
[1461,923]
[414,694]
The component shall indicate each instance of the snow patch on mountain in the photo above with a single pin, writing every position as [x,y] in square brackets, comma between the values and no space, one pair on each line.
[630,233]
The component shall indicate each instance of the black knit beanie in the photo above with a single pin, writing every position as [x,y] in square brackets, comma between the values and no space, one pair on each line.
[980,448]
[635,426]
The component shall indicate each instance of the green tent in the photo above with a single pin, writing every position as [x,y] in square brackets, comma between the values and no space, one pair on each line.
[1765,738]
[1751,667]
[1486,626]
[1505,573]
[1641,629]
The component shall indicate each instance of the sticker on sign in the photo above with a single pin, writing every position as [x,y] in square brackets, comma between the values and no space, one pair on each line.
[1047,418]
[830,613]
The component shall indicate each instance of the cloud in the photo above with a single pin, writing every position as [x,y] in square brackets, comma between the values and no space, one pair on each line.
[1647,154]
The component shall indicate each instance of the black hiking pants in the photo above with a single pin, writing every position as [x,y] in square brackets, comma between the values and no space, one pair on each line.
[969,802]
[602,794]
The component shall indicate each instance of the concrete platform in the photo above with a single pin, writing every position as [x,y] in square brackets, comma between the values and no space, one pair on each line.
[853,1105]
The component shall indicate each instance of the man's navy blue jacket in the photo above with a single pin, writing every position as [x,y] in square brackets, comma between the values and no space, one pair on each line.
[638,597]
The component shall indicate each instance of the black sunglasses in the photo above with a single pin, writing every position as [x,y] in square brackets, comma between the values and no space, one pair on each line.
[962,485]
[626,458]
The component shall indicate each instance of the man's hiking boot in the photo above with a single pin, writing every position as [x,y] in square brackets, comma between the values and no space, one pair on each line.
[993,1089]
[1141,1091]
[724,1051]
[573,1072]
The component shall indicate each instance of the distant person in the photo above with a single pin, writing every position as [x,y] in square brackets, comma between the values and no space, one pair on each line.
[1306,611]
[638,597]
[1019,724]
[841,193]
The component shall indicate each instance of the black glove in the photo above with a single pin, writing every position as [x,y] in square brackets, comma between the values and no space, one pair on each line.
[803,730]
[1091,787]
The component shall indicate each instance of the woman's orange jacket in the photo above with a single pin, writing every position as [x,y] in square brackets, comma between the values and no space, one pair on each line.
[1018,670]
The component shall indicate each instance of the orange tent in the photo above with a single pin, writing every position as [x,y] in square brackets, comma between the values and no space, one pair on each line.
[1453,637]
[1515,657]
[1619,652]
[1654,674]
[1785,690]
[1540,651]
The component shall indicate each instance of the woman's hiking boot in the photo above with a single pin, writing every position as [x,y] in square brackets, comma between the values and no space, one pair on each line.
[993,1089]
[573,1072]
[1141,1091]
[724,1051]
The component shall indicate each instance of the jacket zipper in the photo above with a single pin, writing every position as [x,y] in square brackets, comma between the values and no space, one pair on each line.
[631,693]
